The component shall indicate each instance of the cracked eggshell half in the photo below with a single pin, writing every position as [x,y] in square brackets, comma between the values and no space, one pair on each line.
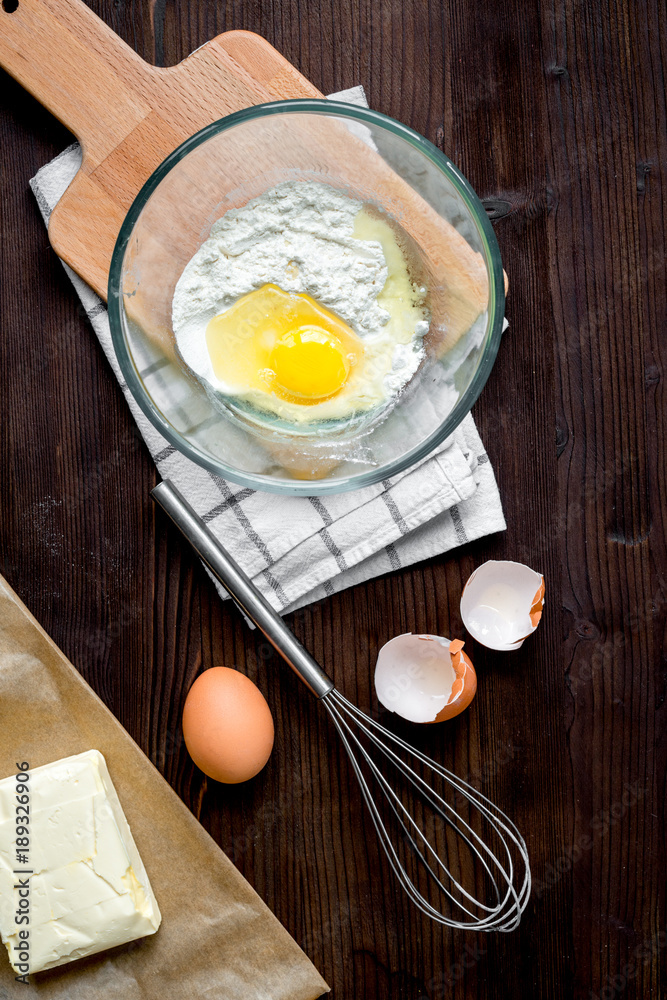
[424,678]
[501,604]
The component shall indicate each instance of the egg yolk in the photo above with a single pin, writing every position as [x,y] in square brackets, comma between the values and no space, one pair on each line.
[282,342]
[309,362]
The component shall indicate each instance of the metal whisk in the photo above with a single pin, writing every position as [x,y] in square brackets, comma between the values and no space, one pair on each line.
[501,866]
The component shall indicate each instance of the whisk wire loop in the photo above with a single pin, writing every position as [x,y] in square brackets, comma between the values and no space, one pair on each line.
[441,808]
[395,804]
[510,900]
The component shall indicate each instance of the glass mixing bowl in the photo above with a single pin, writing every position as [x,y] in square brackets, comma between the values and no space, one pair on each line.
[371,158]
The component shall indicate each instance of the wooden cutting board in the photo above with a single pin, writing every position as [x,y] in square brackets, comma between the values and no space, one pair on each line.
[127,114]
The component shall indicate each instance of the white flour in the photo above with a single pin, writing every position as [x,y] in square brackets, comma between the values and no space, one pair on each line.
[298,235]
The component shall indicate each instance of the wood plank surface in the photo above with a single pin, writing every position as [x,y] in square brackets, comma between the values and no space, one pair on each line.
[556,112]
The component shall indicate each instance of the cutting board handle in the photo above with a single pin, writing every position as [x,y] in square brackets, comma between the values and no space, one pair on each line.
[74,64]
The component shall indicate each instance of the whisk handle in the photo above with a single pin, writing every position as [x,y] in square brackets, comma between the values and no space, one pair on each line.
[241,589]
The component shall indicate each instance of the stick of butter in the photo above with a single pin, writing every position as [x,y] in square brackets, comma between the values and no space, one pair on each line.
[83,886]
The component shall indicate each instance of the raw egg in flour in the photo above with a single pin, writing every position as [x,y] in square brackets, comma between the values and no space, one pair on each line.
[282,342]
[227,725]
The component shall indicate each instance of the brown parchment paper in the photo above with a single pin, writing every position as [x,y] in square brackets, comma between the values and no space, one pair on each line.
[217,938]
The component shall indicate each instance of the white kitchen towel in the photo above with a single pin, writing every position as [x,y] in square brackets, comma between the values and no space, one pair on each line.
[300,549]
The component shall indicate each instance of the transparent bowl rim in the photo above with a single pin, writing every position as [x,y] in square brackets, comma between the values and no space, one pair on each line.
[496,307]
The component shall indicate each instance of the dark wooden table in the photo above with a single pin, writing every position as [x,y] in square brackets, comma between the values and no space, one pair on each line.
[556,113]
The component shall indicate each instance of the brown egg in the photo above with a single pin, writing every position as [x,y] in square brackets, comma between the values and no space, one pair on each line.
[227,725]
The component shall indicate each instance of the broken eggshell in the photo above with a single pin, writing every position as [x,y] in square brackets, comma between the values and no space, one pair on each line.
[501,603]
[424,678]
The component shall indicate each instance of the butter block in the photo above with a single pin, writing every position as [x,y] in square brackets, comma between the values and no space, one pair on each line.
[85,884]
